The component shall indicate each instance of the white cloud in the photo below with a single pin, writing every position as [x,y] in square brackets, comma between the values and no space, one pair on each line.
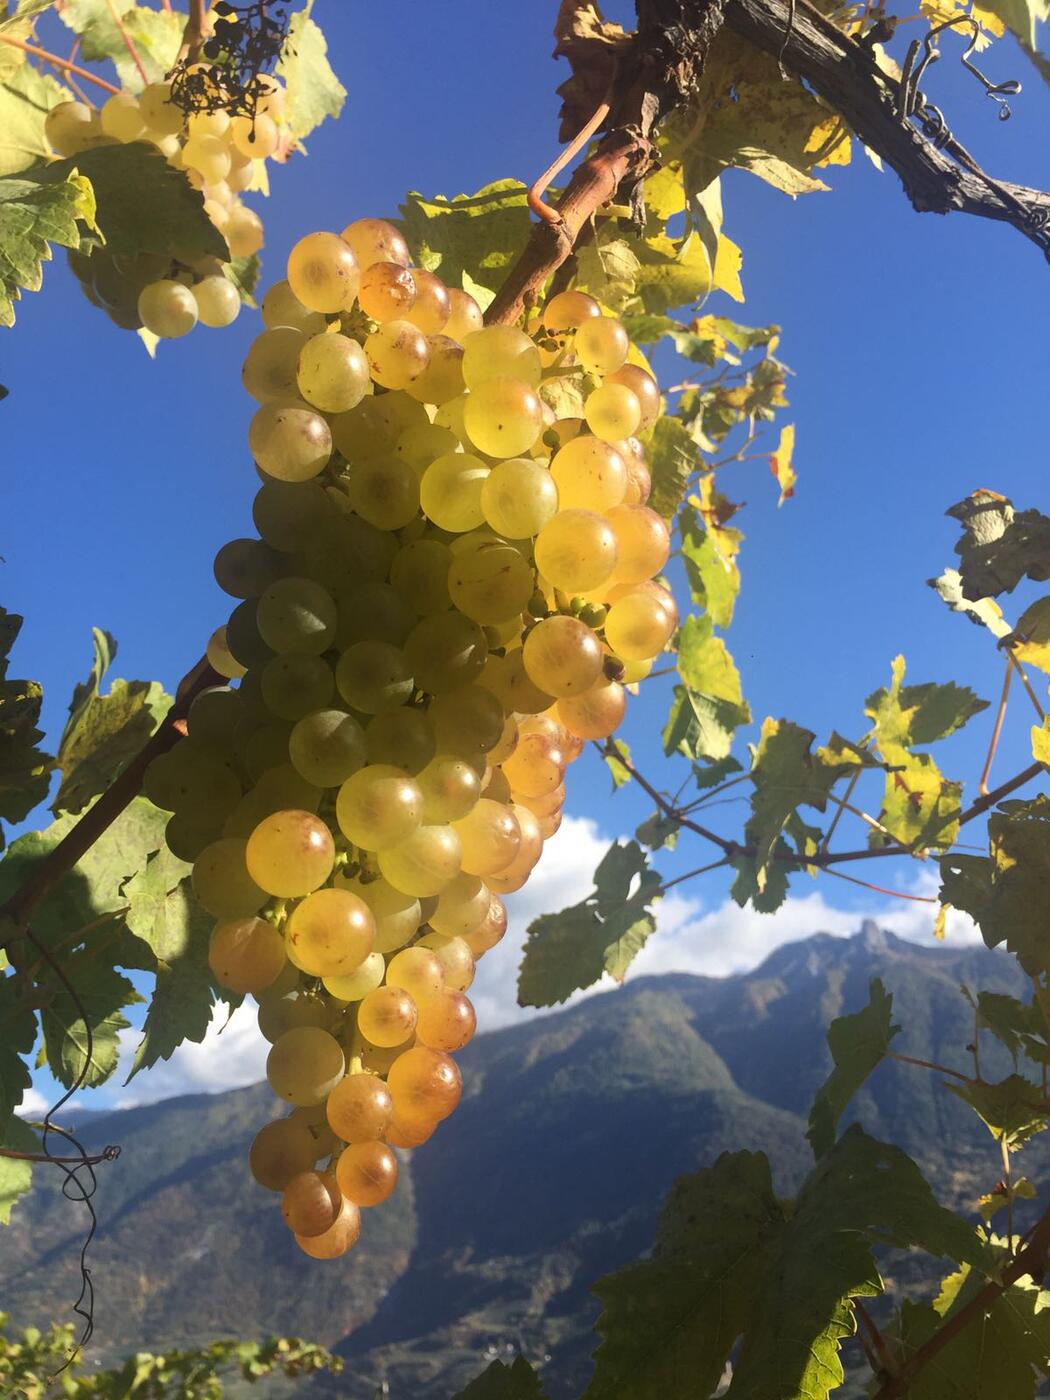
[34,1104]
[232,1054]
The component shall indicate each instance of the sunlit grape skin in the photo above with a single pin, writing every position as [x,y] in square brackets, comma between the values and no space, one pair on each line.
[290,854]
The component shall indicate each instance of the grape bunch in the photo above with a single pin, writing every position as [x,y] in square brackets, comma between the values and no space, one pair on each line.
[450,589]
[219,155]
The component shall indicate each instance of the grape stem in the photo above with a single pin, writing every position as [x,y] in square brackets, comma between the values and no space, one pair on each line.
[539,186]
[129,43]
[62,63]
[80,838]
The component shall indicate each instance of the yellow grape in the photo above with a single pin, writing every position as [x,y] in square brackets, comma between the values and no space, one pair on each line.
[536,767]
[220,658]
[490,581]
[613,412]
[281,307]
[639,626]
[420,446]
[644,388]
[417,971]
[159,112]
[378,806]
[336,1241]
[397,916]
[374,240]
[374,677]
[425,1083]
[518,498]
[331,933]
[167,308]
[450,491]
[489,837]
[289,441]
[452,950]
[294,685]
[590,475]
[464,315]
[290,854]
[601,345]
[466,720]
[502,416]
[367,1173]
[218,301]
[246,955]
[256,137]
[499,352]
[359,1108]
[432,306]
[332,373]
[385,493]
[446,1022]
[304,1065]
[490,931]
[567,310]
[398,352]
[643,543]
[597,713]
[280,1151]
[120,117]
[323,273]
[270,368]
[310,1203]
[424,863]
[358,984]
[387,1017]
[445,651]
[387,292]
[442,380]
[576,551]
[326,747]
[563,656]
[222,884]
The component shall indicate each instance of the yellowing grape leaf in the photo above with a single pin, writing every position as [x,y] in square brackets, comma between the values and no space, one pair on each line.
[983,612]
[26,97]
[1041,742]
[780,464]
[592,46]
[34,213]
[480,234]
[1032,635]
[314,91]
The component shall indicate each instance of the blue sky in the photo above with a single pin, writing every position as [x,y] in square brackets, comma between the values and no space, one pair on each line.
[917,343]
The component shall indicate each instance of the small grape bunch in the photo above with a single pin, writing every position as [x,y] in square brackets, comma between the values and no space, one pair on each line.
[449,590]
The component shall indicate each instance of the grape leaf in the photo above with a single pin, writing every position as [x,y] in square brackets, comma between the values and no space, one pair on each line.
[919,714]
[679,1312]
[1017,1026]
[15,1176]
[501,1382]
[607,268]
[673,457]
[87,990]
[181,1005]
[93,23]
[479,234]
[709,553]
[1012,1110]
[24,769]
[984,612]
[36,211]
[858,1043]
[26,97]
[313,90]
[244,274]
[604,933]
[19,1027]
[999,546]
[104,732]
[780,464]
[157,36]
[1030,639]
[167,214]
[614,762]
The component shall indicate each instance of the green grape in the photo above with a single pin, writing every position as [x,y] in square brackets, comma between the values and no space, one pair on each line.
[359,1108]
[466,720]
[159,112]
[464,315]
[311,1203]
[387,291]
[589,474]
[270,369]
[213,716]
[432,305]
[242,636]
[348,553]
[283,786]
[613,412]
[445,651]
[643,543]
[281,307]
[218,301]
[370,432]
[397,916]
[374,677]
[378,806]
[419,573]
[72,127]
[208,155]
[243,231]
[498,352]
[326,747]
[450,786]
[576,551]
[490,581]
[385,493]
[497,787]
[358,985]
[289,441]
[280,1151]
[246,568]
[332,373]
[422,864]
[425,1083]
[419,446]
[644,388]
[446,1022]
[450,416]
[404,737]
[290,854]
[374,612]
[489,837]
[518,498]
[336,1241]
[279,1014]
[597,713]
[323,273]
[601,345]
[503,416]
[289,514]
[120,118]
[442,379]
[563,656]
[296,615]
[511,683]
[304,1065]
[167,309]
[367,1173]
[397,352]
[386,1017]
[265,746]
[461,907]
[639,625]
[192,778]
[330,933]
[375,240]
[187,834]
[246,954]
[450,491]
[568,310]
[294,685]
[221,658]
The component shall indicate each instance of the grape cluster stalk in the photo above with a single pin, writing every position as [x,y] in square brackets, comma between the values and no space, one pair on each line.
[450,589]
[221,156]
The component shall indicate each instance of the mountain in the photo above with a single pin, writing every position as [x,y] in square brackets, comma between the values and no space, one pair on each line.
[551,1173]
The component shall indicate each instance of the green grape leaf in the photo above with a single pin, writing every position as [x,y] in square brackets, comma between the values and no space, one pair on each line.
[990,1204]
[166,215]
[104,732]
[314,92]
[999,546]
[501,1382]
[1030,640]
[604,933]
[17,1041]
[672,274]
[709,706]
[984,612]
[244,274]
[679,1312]
[607,268]
[1013,1110]
[93,23]
[24,769]
[15,1176]
[919,714]
[647,330]
[658,831]
[858,1043]
[36,211]
[26,96]
[1020,17]
[614,762]
[157,36]
[709,551]
[1019,1027]
[861,1193]
[920,807]
[673,457]
[475,234]
[99,994]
